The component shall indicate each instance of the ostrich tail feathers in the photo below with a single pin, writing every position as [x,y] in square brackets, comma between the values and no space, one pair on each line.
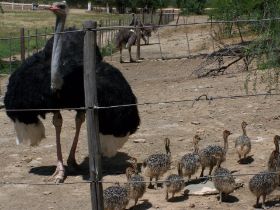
[30,134]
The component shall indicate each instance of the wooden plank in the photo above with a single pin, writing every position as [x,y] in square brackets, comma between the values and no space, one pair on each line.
[92,115]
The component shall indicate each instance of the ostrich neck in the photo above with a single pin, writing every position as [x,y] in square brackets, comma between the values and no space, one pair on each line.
[244,131]
[56,78]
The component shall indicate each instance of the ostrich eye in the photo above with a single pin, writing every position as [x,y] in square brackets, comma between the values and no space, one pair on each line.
[62,6]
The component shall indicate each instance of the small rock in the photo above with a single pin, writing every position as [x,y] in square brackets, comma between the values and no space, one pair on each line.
[195,123]
[27,160]
[34,163]
[139,140]
[47,193]
[192,205]
[200,131]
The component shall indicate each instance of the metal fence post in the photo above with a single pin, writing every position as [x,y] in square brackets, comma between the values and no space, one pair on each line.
[92,115]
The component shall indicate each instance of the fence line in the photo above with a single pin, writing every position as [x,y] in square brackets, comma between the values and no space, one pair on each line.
[116,27]
[204,178]
[194,100]
[22,6]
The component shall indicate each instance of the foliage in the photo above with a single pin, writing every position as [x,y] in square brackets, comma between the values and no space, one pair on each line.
[265,46]
[191,6]
[109,49]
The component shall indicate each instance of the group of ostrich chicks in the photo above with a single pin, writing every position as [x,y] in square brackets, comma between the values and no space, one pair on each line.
[116,197]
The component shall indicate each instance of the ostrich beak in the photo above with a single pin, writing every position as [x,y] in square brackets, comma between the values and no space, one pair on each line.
[53,8]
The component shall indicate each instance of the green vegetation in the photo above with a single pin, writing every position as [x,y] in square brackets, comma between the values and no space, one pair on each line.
[264,47]
[191,6]
[43,23]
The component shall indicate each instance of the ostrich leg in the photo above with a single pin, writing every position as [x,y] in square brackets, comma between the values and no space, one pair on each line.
[59,173]
[121,60]
[71,161]
[130,57]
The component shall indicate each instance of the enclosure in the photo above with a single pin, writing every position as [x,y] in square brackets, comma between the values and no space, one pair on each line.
[168,89]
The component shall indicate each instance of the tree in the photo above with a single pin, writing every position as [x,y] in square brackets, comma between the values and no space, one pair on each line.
[1,9]
[191,6]
[264,44]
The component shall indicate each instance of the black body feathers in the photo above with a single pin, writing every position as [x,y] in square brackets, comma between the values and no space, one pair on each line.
[29,88]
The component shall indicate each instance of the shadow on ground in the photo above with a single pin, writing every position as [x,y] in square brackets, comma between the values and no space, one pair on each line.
[110,166]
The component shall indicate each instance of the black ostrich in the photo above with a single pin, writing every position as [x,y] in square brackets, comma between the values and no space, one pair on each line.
[128,37]
[52,79]
[147,30]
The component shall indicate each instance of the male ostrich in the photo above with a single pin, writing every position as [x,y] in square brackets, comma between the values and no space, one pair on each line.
[126,37]
[53,79]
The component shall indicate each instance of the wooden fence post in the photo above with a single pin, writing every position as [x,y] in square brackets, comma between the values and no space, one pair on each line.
[22,45]
[92,115]
[28,43]
[138,31]
[36,39]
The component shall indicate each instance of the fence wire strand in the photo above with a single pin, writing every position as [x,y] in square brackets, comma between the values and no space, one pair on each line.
[149,26]
[199,98]
[203,179]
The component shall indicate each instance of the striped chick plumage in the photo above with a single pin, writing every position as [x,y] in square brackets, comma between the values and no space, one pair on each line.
[223,181]
[174,184]
[265,182]
[115,198]
[136,187]
[190,163]
[156,165]
[207,154]
[243,143]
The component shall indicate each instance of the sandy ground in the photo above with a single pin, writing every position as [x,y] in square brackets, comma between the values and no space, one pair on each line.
[152,81]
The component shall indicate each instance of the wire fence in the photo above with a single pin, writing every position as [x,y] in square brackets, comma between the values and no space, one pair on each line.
[108,38]
[15,48]
[203,97]
[203,179]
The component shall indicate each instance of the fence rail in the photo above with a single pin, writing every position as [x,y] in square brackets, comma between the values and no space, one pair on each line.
[21,6]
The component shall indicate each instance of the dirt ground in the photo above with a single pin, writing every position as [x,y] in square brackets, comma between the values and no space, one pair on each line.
[152,80]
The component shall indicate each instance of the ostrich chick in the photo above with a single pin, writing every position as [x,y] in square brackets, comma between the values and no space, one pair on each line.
[136,186]
[190,162]
[243,143]
[174,183]
[157,164]
[265,182]
[115,198]
[206,155]
[223,180]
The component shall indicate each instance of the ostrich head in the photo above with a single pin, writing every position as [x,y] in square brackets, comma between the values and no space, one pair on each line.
[60,10]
